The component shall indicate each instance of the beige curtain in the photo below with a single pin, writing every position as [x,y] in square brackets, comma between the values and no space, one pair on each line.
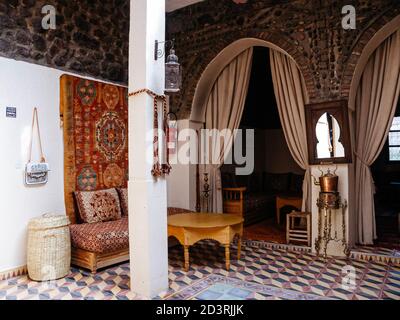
[291,96]
[224,111]
[376,101]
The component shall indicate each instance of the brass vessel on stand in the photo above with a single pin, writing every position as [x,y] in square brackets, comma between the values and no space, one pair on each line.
[328,182]
[328,203]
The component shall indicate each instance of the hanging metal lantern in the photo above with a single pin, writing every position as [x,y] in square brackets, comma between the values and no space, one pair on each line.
[173,73]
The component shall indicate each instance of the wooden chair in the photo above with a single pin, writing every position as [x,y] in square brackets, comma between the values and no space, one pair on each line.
[233,200]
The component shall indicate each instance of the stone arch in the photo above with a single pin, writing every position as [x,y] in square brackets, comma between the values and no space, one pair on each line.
[277,41]
[214,68]
[328,65]
[369,48]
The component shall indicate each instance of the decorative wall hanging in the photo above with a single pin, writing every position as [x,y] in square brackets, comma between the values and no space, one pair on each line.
[36,172]
[95,121]
[160,166]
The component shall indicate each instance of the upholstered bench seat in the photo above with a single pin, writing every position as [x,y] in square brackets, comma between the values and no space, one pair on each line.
[258,201]
[102,237]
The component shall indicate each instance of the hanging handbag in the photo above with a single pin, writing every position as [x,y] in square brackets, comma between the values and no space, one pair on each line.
[36,172]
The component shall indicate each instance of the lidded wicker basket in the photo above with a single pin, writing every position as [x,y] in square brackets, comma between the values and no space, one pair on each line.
[49,247]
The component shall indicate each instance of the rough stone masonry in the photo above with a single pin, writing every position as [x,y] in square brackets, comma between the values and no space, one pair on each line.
[91,36]
[309,30]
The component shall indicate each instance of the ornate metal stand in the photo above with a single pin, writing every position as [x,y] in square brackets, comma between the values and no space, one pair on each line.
[206,192]
[328,204]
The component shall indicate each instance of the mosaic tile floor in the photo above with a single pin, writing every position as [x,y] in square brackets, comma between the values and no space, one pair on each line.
[378,254]
[259,269]
[216,287]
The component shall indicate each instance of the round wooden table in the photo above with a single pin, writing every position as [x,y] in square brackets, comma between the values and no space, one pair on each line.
[190,228]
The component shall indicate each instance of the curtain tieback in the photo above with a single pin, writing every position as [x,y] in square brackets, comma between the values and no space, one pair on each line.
[360,159]
[365,164]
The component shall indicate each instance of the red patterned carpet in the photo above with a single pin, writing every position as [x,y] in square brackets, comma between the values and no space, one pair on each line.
[266,230]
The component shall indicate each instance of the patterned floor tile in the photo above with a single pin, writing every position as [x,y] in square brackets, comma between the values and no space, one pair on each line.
[259,269]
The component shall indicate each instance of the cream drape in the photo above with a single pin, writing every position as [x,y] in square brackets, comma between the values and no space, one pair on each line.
[376,101]
[224,110]
[291,96]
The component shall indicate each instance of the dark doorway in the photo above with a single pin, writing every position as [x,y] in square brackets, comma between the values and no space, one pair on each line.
[386,174]
[275,171]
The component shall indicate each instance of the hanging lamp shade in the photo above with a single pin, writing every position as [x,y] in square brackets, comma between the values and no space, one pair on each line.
[173,73]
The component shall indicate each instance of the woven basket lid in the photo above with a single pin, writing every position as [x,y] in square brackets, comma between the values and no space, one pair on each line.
[48,221]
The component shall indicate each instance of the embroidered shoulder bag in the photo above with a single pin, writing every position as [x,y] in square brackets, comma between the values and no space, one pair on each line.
[36,172]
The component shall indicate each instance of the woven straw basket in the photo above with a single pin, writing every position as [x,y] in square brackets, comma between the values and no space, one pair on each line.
[49,247]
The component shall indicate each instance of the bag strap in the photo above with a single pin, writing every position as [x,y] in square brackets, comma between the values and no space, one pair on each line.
[35,118]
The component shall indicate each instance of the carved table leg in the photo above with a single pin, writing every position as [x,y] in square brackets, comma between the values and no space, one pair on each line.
[186,250]
[227,257]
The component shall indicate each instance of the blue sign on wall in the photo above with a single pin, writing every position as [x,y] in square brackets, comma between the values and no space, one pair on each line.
[11,112]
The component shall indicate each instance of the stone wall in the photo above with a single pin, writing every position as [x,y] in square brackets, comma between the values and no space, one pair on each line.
[309,30]
[91,36]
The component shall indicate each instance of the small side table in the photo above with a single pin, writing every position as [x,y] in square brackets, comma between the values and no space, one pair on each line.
[282,201]
[298,234]
[190,228]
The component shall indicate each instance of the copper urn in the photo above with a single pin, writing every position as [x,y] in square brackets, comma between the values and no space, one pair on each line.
[328,182]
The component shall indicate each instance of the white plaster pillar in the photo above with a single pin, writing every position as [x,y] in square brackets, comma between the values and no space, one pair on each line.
[147,196]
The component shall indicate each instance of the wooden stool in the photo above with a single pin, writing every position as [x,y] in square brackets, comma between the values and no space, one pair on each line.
[298,234]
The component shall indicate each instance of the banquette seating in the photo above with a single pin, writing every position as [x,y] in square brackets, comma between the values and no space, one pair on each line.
[100,236]
[254,196]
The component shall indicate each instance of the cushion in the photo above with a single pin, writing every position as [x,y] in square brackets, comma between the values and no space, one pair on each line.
[228,180]
[258,201]
[276,181]
[254,184]
[123,198]
[101,237]
[242,181]
[98,206]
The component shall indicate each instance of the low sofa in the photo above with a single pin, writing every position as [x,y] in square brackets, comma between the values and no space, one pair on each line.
[100,236]
[254,196]
[99,244]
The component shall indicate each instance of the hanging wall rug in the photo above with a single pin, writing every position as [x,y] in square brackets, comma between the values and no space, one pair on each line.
[94,116]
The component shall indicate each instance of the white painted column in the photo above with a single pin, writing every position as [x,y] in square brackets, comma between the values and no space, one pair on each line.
[147,196]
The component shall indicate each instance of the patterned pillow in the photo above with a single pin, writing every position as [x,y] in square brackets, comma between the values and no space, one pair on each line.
[123,198]
[98,206]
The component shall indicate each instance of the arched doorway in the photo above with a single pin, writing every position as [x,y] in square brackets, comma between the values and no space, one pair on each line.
[384,221]
[215,67]
[255,183]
